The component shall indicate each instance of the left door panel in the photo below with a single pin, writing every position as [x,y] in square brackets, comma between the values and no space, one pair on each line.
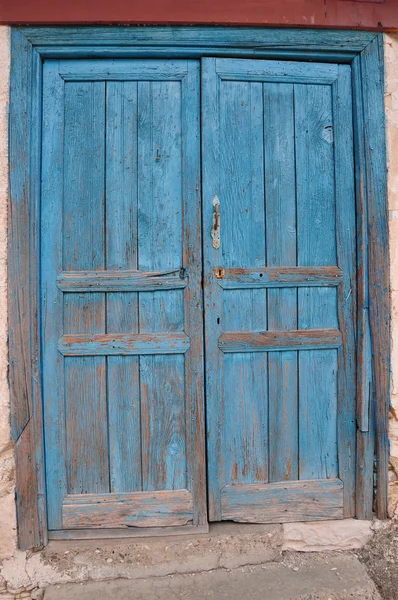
[120,294]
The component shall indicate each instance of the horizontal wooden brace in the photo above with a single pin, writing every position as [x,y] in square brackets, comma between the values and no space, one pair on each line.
[275,277]
[136,509]
[197,52]
[276,71]
[316,500]
[104,344]
[269,341]
[224,37]
[121,281]
[86,533]
[123,70]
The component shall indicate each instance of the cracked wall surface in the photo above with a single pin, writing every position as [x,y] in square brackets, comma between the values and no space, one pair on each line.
[25,571]
[391,104]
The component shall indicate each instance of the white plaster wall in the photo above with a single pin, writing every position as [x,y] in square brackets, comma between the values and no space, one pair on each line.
[391,104]
[17,560]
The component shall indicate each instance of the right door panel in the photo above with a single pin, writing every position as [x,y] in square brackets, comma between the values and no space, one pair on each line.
[280,289]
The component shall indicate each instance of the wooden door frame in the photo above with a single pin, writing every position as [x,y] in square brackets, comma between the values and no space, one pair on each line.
[364,52]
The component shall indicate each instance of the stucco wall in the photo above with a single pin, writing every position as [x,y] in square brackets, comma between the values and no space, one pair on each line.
[7,509]
[391,103]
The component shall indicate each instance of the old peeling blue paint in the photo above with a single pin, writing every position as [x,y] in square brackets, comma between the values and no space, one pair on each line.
[288,415]
[275,459]
[119,151]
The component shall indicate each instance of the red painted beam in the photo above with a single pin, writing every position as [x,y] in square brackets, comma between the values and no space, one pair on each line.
[361,14]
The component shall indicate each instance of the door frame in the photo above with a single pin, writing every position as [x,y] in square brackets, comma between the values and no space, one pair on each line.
[364,52]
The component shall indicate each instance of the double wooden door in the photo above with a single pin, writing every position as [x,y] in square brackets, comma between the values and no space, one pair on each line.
[176,389]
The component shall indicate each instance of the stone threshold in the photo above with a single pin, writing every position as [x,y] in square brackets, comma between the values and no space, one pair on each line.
[296,577]
[225,546]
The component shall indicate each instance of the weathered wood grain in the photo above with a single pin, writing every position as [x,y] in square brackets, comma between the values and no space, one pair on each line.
[379,263]
[269,341]
[26,501]
[283,502]
[127,532]
[280,277]
[193,52]
[123,70]
[281,236]
[300,44]
[103,344]
[121,281]
[160,232]
[51,297]
[244,422]
[23,295]
[347,291]
[317,307]
[83,248]
[365,397]
[121,214]
[213,300]
[139,509]
[276,71]
[193,295]
[212,37]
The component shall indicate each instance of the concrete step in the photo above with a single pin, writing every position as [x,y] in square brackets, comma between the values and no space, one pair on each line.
[295,577]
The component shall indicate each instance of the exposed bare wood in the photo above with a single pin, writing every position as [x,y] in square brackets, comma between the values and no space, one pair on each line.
[128,532]
[121,344]
[268,341]
[120,281]
[276,277]
[137,509]
[283,502]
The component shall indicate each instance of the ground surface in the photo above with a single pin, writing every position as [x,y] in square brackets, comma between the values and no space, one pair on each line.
[380,557]
[295,577]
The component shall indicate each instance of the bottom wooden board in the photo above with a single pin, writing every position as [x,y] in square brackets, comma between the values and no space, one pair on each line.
[136,509]
[131,532]
[284,502]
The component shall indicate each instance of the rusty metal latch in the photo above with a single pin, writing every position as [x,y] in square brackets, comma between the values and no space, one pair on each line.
[219,273]
[215,232]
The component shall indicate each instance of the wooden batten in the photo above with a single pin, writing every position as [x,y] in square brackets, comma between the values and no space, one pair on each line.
[276,341]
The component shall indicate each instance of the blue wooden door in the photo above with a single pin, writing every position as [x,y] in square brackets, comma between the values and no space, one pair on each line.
[280,290]
[121,294]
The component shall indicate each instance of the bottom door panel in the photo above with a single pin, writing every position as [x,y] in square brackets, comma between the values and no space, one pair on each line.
[283,502]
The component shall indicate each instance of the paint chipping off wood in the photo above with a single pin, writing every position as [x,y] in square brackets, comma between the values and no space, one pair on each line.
[243,290]
[283,502]
[141,509]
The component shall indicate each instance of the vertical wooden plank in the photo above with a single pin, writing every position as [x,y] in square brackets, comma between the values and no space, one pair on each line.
[122,308]
[212,293]
[347,290]
[365,399]
[316,246]
[23,299]
[19,255]
[160,226]
[372,61]
[83,238]
[245,418]
[51,296]
[280,192]
[193,300]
